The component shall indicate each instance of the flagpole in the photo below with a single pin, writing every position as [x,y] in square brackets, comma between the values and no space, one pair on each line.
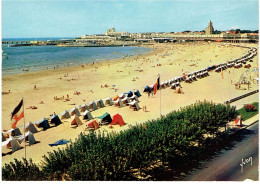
[24,131]
[160,98]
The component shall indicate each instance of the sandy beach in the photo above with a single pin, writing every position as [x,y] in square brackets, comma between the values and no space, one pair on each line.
[127,74]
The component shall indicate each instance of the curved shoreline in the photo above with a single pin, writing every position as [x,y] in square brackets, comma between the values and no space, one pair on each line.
[76,66]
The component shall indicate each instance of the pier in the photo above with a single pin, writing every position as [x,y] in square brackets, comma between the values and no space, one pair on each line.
[16,42]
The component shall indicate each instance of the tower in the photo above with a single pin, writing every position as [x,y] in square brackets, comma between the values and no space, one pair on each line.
[209,30]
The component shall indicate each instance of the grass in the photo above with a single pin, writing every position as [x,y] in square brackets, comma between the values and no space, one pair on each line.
[246,115]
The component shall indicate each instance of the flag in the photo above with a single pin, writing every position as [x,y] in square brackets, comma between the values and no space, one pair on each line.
[155,88]
[17,114]
[158,82]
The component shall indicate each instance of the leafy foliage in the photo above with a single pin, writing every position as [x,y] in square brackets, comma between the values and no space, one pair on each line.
[246,115]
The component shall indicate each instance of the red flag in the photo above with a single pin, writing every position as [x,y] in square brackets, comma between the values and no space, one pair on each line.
[17,114]
[155,88]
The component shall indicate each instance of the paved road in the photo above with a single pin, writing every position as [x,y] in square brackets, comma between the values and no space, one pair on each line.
[226,166]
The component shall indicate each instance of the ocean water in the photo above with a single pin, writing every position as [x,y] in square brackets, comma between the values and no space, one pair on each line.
[36,58]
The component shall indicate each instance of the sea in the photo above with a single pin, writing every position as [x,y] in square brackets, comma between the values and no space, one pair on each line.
[17,60]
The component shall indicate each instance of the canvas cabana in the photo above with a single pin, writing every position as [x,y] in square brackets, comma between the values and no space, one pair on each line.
[108,101]
[87,115]
[100,103]
[134,97]
[3,137]
[147,89]
[83,108]
[118,103]
[12,143]
[73,111]
[126,100]
[65,115]
[115,98]
[173,86]
[13,132]
[30,127]
[121,96]
[134,105]
[129,94]
[92,106]
[105,118]
[76,121]
[28,137]
[43,123]
[151,87]
[55,120]
[117,120]
[93,125]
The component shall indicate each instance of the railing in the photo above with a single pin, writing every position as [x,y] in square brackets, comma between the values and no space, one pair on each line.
[241,96]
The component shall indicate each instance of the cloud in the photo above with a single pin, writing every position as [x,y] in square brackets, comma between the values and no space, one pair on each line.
[234,27]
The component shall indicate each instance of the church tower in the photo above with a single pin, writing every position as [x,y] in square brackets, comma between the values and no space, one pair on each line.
[210,30]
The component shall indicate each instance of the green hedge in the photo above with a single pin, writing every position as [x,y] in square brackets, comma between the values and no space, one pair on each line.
[107,157]
[246,115]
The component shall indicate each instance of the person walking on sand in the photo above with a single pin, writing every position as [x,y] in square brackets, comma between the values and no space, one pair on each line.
[68,96]
[35,87]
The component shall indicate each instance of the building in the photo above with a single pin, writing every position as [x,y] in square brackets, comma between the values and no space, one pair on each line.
[119,35]
[210,29]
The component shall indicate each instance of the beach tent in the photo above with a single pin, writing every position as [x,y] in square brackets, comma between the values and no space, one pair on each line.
[15,132]
[12,143]
[42,123]
[55,120]
[65,115]
[173,86]
[121,96]
[100,103]
[134,97]
[73,111]
[118,103]
[115,98]
[162,85]
[129,94]
[147,89]
[28,137]
[93,124]
[134,105]
[83,108]
[167,83]
[108,101]
[126,100]
[87,115]
[137,93]
[117,119]
[105,118]
[78,107]
[59,142]
[3,137]
[151,88]
[30,127]
[76,121]
[92,105]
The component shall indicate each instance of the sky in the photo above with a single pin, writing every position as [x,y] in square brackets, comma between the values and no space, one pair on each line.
[73,18]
